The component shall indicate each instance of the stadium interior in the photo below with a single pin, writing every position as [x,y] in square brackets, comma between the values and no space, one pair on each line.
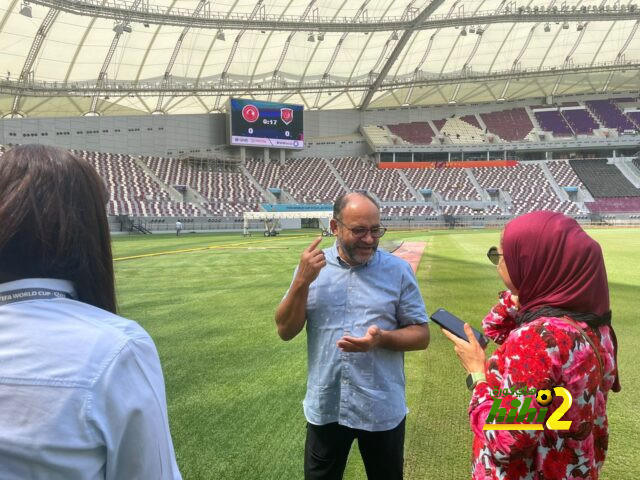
[447,112]
[455,115]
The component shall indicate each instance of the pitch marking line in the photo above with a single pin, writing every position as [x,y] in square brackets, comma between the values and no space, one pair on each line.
[210,247]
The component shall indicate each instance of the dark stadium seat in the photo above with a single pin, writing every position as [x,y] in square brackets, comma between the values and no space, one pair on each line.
[603,180]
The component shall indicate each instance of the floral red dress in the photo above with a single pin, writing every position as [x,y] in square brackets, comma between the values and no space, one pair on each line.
[545,353]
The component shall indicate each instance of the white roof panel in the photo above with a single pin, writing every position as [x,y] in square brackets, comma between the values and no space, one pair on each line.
[76,46]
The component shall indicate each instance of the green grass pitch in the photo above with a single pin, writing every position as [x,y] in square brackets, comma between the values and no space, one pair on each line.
[235,389]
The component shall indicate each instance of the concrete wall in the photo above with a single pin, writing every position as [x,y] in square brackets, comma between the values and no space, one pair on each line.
[175,135]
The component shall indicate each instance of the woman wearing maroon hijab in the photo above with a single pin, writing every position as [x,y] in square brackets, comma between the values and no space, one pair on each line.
[554,330]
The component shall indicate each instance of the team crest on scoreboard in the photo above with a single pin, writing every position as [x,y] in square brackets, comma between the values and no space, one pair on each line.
[250,113]
[286,115]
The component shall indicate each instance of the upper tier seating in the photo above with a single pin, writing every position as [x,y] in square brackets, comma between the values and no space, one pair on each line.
[471,120]
[378,135]
[553,121]
[610,116]
[419,133]
[440,123]
[510,125]
[459,131]
[580,120]
[635,117]
[603,180]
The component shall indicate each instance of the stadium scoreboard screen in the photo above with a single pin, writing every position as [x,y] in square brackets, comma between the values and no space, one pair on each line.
[265,124]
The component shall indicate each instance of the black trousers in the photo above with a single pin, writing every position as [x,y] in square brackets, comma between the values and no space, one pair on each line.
[327,448]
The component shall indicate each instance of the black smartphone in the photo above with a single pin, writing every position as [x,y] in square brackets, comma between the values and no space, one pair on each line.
[453,324]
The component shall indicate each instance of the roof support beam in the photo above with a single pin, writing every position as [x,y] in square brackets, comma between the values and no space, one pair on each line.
[27,69]
[406,36]
[568,58]
[620,56]
[259,8]
[176,88]
[287,43]
[426,53]
[161,15]
[119,29]
[336,51]
[167,74]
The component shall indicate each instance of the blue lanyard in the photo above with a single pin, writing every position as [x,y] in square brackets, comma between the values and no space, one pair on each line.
[25,294]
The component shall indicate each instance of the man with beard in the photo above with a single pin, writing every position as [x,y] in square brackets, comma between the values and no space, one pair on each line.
[362,309]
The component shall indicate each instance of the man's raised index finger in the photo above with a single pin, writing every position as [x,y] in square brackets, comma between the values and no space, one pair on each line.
[314,244]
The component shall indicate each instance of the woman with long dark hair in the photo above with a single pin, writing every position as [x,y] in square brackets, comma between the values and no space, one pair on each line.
[81,389]
[553,326]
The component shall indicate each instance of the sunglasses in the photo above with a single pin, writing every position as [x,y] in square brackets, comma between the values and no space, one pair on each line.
[493,255]
[361,232]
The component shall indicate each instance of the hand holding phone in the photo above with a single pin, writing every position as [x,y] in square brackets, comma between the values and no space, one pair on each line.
[453,324]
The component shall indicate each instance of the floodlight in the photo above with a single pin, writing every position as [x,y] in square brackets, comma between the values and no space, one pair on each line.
[547,28]
[26,10]
[220,35]
[126,28]
[117,28]
[321,36]
[579,27]
[394,35]
[472,29]
[479,31]
[565,25]
[463,32]
[311,38]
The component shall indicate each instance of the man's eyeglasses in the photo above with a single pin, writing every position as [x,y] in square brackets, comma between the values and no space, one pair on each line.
[361,232]
[493,255]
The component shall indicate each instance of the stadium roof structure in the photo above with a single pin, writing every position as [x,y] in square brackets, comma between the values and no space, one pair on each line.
[111,57]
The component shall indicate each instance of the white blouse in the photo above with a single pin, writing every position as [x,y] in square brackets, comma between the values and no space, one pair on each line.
[81,390]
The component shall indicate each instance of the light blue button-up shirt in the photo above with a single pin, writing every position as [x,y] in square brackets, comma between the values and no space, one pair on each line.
[363,390]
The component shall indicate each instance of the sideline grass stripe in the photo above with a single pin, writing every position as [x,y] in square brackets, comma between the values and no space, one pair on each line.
[224,246]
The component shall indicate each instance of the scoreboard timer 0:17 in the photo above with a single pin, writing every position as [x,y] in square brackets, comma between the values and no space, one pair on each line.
[265,124]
